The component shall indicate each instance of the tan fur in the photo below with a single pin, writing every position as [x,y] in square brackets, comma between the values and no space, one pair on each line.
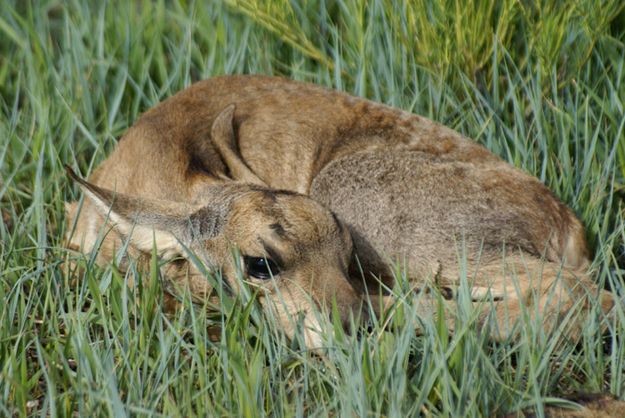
[407,189]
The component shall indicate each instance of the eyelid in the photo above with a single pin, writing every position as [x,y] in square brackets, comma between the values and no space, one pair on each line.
[272,254]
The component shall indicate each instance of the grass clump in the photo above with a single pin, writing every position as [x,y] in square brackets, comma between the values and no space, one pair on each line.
[542,84]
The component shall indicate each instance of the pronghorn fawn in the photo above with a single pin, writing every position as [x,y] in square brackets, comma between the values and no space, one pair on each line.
[322,193]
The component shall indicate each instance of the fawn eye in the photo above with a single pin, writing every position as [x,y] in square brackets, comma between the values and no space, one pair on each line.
[260,267]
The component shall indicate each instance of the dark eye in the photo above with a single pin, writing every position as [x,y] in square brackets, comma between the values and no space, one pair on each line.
[260,267]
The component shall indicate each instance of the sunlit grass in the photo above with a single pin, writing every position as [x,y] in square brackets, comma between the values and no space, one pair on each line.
[538,83]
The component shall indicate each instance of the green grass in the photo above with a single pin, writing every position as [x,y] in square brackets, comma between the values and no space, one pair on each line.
[540,83]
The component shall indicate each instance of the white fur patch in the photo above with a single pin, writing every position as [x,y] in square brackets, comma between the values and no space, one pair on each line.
[141,237]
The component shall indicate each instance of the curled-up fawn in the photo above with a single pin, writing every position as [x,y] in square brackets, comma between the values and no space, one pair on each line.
[318,189]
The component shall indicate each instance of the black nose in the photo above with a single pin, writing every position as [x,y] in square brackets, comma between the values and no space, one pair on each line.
[364,330]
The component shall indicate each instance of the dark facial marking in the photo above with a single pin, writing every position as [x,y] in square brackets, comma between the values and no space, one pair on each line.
[278,229]
[273,254]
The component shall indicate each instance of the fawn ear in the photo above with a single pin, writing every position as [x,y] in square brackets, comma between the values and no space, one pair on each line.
[224,139]
[148,221]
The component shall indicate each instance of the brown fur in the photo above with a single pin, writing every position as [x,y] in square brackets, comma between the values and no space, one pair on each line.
[406,187]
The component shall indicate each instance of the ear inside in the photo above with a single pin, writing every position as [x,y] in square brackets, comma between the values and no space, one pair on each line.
[222,134]
[146,221]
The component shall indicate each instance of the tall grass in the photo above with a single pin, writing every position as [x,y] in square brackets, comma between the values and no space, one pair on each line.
[540,83]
